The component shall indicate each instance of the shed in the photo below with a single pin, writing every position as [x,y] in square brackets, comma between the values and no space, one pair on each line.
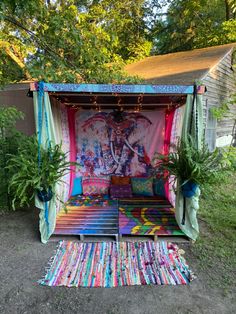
[113,132]
[213,68]
[84,118]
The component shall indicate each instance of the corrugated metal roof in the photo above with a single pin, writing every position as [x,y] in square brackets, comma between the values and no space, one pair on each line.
[180,67]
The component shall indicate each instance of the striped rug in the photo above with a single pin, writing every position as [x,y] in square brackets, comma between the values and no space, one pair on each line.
[113,264]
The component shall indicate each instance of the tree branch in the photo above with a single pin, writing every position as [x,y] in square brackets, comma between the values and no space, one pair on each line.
[14,57]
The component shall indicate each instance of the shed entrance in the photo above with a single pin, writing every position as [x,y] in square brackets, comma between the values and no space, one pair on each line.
[112,131]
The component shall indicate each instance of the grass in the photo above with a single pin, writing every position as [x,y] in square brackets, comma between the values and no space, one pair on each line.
[216,246]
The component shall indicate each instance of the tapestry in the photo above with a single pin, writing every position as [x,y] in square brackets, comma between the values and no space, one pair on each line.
[111,142]
[114,264]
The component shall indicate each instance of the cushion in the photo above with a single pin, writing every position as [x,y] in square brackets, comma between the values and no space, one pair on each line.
[120,180]
[96,185]
[121,191]
[142,186]
[159,187]
[77,186]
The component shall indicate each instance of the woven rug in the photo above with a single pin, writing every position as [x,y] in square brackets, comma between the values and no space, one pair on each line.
[113,264]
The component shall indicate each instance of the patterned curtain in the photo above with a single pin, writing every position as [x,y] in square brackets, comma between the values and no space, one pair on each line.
[192,124]
[51,124]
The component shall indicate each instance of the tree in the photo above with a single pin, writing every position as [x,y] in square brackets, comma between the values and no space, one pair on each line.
[91,40]
[195,24]
[72,41]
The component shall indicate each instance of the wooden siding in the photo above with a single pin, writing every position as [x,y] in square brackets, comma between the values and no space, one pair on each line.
[15,95]
[221,84]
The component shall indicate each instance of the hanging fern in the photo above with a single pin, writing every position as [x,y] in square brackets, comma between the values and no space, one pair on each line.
[187,163]
[28,175]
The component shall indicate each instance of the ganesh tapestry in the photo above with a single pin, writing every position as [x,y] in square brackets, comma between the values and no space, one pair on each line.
[120,143]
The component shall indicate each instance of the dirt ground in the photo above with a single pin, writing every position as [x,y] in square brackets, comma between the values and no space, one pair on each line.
[23,259]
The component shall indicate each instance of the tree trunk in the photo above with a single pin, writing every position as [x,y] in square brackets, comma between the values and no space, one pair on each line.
[227,10]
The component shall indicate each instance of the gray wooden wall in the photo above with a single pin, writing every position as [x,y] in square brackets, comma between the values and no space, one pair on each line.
[221,84]
[15,95]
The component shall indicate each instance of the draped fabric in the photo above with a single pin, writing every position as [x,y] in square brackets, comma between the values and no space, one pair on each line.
[106,146]
[193,125]
[176,131]
[169,116]
[51,125]
[71,124]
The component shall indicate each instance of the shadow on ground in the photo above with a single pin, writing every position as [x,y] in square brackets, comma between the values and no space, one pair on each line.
[23,259]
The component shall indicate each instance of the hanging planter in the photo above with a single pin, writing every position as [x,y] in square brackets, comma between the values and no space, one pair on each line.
[45,195]
[189,189]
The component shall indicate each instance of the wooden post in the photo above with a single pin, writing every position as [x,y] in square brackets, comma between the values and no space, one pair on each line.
[81,237]
[155,238]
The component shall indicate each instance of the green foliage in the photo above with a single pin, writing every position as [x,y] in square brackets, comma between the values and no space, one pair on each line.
[195,24]
[188,163]
[8,118]
[90,41]
[220,112]
[224,110]
[215,250]
[27,176]
[9,141]
[229,158]
[73,41]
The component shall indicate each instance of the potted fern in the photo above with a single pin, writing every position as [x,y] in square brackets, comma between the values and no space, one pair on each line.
[35,170]
[191,166]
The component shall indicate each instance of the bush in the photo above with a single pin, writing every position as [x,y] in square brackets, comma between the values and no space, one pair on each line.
[10,139]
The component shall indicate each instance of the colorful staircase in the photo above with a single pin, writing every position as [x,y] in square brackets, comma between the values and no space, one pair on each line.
[111,218]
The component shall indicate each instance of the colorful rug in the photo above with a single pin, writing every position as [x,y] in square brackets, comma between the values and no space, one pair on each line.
[113,264]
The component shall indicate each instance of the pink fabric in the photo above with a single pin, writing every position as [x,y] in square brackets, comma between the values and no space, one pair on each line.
[71,120]
[168,127]
[95,185]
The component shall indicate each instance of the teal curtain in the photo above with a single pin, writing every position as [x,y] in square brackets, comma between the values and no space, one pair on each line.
[46,132]
[193,125]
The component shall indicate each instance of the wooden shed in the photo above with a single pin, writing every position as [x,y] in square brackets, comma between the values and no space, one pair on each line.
[212,67]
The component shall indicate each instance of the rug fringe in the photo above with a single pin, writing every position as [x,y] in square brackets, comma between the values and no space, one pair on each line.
[50,263]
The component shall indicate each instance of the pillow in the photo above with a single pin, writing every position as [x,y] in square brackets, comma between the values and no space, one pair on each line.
[120,180]
[159,187]
[142,186]
[95,185]
[77,186]
[121,191]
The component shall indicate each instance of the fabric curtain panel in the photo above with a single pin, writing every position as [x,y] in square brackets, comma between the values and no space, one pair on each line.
[51,125]
[169,117]
[176,131]
[71,125]
[193,125]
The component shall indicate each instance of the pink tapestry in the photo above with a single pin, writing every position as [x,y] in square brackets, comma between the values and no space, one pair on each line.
[111,142]
[71,122]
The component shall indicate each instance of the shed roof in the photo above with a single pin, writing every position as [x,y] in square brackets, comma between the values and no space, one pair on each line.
[180,67]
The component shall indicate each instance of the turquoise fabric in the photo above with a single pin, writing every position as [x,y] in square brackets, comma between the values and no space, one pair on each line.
[46,132]
[142,186]
[193,125]
[77,186]
[159,187]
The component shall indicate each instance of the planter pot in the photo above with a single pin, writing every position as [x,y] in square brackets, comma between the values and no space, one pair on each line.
[189,189]
[45,195]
